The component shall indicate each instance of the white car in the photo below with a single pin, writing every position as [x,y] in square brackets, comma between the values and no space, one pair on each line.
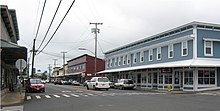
[124,84]
[98,83]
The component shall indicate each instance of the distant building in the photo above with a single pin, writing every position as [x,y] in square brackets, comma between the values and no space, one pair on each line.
[186,57]
[82,68]
[10,51]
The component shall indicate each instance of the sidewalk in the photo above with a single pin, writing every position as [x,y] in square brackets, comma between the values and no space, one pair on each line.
[165,91]
[12,101]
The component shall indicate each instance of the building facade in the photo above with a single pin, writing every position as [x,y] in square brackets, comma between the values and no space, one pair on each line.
[10,51]
[186,57]
[82,68]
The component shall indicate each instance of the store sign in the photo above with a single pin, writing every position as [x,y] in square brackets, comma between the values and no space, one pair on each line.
[166,70]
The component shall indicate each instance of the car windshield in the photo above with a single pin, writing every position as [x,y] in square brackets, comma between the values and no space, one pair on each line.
[35,81]
[128,82]
[103,80]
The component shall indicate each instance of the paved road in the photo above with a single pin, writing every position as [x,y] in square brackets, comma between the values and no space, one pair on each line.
[77,98]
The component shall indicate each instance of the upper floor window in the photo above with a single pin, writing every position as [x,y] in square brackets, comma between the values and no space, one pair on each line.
[184,48]
[208,48]
[151,55]
[135,58]
[159,53]
[111,64]
[119,61]
[128,59]
[170,51]
[142,56]
[124,60]
[116,59]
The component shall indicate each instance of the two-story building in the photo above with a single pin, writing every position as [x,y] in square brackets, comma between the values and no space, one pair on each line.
[186,57]
[10,51]
[82,68]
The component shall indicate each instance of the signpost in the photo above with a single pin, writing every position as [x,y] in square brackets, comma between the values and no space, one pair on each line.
[20,65]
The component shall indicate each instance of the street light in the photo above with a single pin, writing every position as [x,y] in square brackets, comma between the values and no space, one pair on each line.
[94,60]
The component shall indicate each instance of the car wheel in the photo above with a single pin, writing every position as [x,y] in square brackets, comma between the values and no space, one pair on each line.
[87,87]
[121,87]
[107,89]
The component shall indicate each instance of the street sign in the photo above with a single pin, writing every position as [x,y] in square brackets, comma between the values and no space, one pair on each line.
[20,64]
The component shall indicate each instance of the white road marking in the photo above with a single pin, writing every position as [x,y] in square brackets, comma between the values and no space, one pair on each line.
[38,97]
[28,97]
[56,96]
[47,96]
[74,95]
[66,95]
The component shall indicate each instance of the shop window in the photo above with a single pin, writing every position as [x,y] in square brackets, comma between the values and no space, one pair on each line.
[151,55]
[208,48]
[155,77]
[168,78]
[184,48]
[176,75]
[206,77]
[143,79]
[170,51]
[188,77]
[149,78]
[160,78]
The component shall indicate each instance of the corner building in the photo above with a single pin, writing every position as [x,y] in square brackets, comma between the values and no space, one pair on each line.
[186,57]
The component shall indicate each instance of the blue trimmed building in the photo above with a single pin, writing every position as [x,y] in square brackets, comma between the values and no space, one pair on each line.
[186,57]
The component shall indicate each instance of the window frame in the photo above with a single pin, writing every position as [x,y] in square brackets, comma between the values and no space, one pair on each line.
[159,53]
[150,54]
[128,59]
[142,56]
[119,61]
[186,47]
[135,58]
[205,51]
[124,60]
[170,49]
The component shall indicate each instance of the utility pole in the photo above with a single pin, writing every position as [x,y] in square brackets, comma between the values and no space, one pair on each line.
[95,30]
[49,72]
[55,62]
[33,55]
[64,63]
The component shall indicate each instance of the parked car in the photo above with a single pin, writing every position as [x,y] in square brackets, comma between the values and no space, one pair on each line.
[43,81]
[111,84]
[124,84]
[75,83]
[58,81]
[85,83]
[98,83]
[35,85]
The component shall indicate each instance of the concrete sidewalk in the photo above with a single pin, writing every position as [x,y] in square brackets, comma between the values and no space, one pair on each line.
[12,101]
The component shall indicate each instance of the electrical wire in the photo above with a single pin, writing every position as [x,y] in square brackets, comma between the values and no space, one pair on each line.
[57,28]
[50,25]
[40,19]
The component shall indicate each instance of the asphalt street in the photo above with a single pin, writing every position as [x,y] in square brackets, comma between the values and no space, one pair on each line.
[78,98]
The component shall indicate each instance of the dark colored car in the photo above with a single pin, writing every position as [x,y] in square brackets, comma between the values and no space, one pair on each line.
[58,81]
[35,85]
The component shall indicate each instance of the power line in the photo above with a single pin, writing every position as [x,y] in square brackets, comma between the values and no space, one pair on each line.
[57,27]
[32,67]
[50,24]
[40,19]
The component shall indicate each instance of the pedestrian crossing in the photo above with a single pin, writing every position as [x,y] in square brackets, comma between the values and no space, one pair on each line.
[78,95]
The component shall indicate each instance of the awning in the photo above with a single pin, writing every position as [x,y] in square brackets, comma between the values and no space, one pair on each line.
[73,74]
[11,52]
[200,62]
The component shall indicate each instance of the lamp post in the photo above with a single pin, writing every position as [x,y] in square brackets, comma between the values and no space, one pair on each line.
[94,59]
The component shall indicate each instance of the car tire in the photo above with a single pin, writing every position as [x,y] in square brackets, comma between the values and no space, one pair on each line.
[107,89]
[87,87]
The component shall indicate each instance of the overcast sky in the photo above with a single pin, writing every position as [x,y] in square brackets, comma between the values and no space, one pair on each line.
[124,21]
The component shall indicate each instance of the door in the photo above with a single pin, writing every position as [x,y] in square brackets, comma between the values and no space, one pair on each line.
[178,79]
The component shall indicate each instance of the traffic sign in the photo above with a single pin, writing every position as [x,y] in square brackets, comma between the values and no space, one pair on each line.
[20,64]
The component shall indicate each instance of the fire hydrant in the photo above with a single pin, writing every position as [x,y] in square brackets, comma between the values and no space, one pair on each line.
[169,88]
